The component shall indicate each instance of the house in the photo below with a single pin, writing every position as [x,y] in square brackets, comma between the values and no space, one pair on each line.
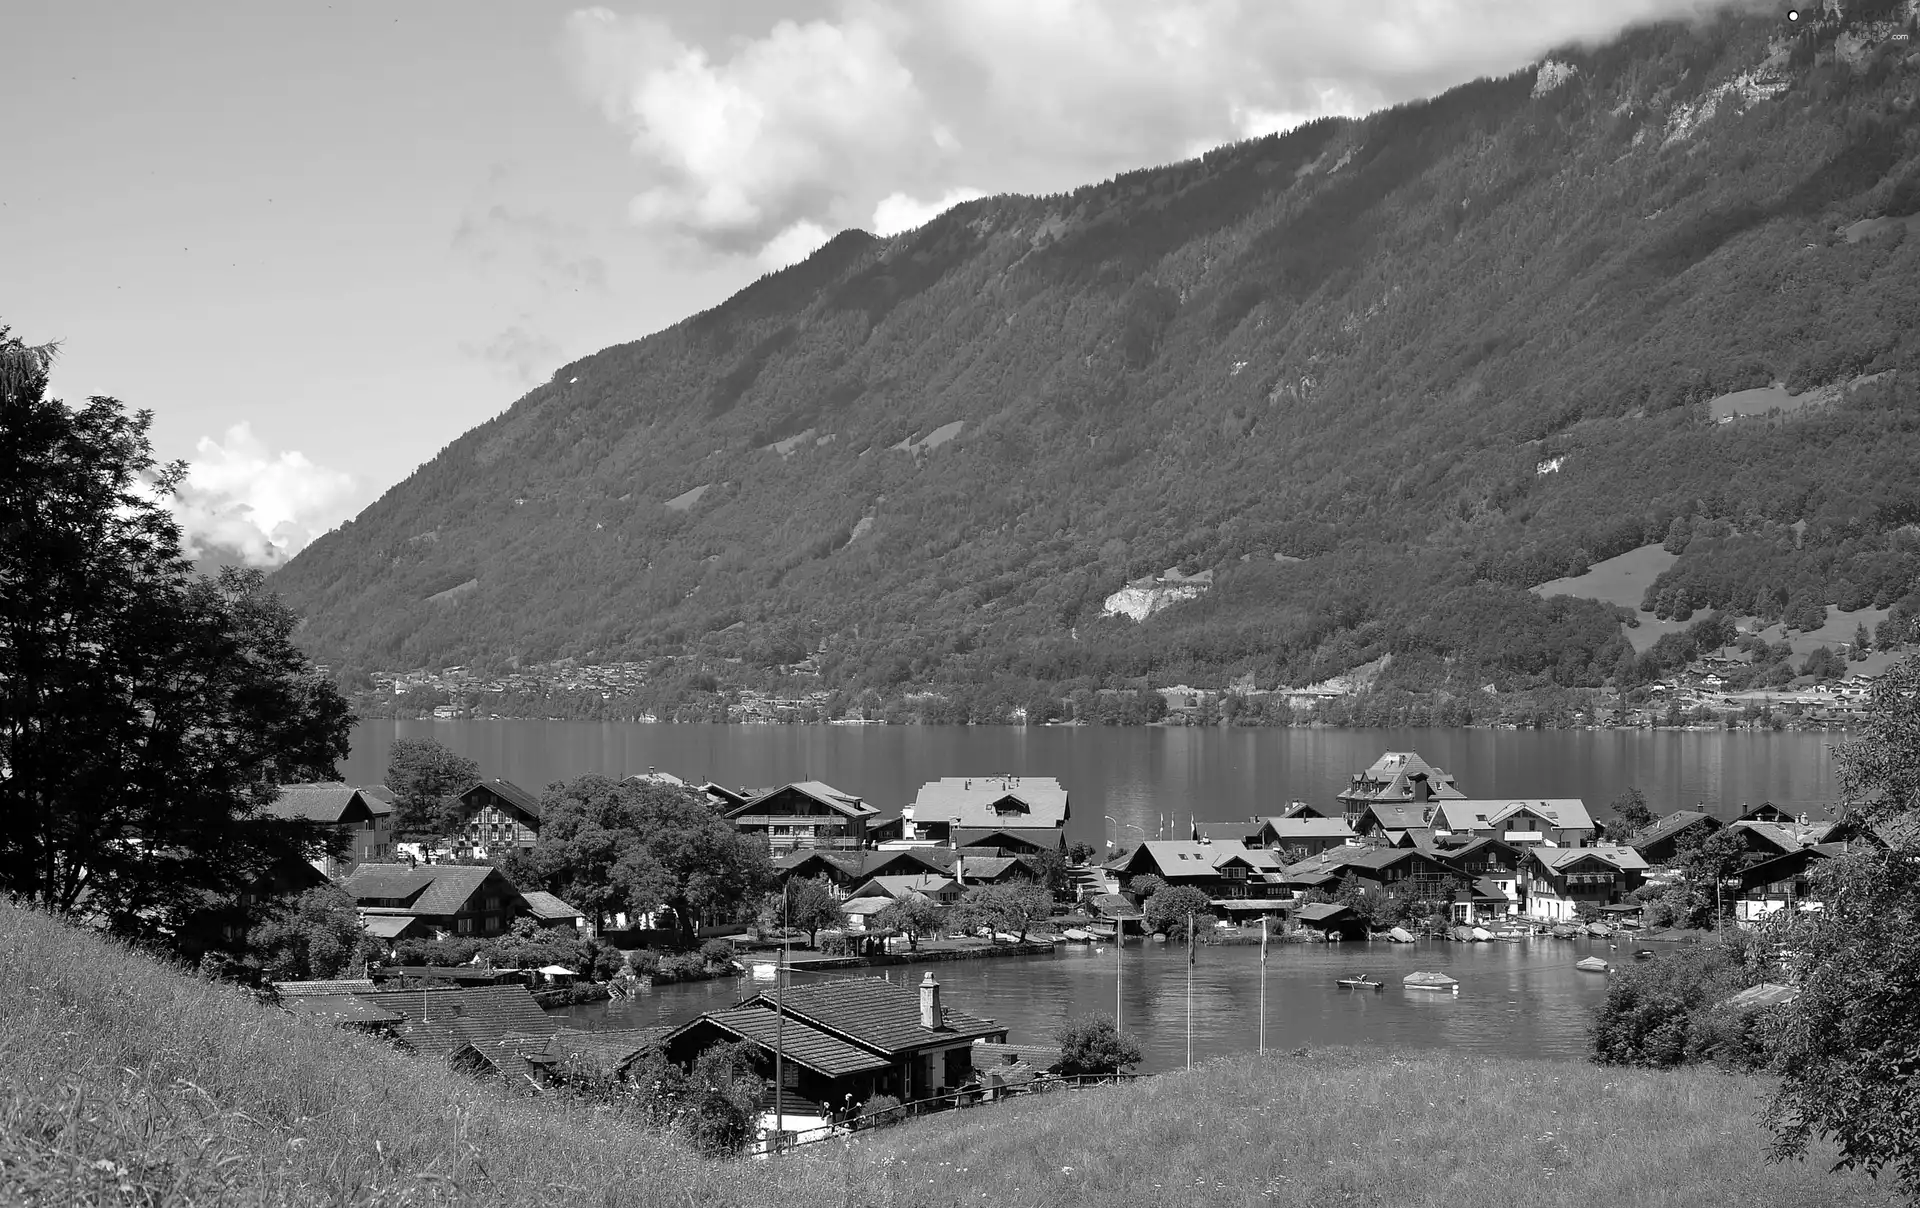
[499,815]
[1560,880]
[1225,872]
[1483,903]
[1306,809]
[1331,919]
[1781,882]
[1017,813]
[399,900]
[841,869]
[1409,872]
[224,921]
[550,911]
[1492,864]
[437,1023]
[1668,837]
[938,889]
[1302,835]
[724,798]
[1400,824]
[1766,839]
[854,1037]
[343,809]
[1766,811]
[1246,834]
[1396,776]
[805,814]
[1555,821]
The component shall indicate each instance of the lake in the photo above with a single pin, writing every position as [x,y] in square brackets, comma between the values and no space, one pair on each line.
[1148,779]
[1517,999]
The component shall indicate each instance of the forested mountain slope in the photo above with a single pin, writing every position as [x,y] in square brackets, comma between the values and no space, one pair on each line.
[1428,358]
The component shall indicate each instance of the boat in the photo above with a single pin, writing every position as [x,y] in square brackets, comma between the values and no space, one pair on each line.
[1592,964]
[1099,931]
[1076,936]
[1599,929]
[1482,934]
[1429,981]
[1361,983]
[1400,935]
[1643,954]
[1462,933]
[1007,937]
[1563,932]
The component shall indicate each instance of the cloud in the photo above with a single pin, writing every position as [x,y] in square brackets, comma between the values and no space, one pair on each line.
[897,212]
[243,503]
[754,148]
[520,353]
[794,244]
[535,245]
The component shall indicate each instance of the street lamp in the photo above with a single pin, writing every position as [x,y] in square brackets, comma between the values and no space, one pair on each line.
[1117,824]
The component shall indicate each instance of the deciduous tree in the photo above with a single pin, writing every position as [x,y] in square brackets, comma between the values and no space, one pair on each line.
[1092,1044]
[913,916]
[1167,911]
[1631,810]
[316,936]
[997,908]
[427,780]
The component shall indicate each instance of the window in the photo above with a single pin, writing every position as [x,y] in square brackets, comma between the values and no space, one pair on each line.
[466,926]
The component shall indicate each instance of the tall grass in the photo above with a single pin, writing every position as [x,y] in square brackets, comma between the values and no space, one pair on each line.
[123,1081]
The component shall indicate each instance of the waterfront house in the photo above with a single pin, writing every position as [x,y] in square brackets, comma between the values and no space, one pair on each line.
[1555,821]
[1297,836]
[342,809]
[1666,838]
[805,814]
[936,888]
[1782,882]
[437,1023]
[1225,872]
[497,816]
[1397,776]
[1560,880]
[1767,839]
[1398,824]
[1766,811]
[1485,902]
[1407,871]
[842,869]
[1331,919]
[397,900]
[549,911]
[1016,813]
[1492,864]
[855,1036]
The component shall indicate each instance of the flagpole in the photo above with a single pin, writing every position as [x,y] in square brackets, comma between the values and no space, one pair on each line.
[1189,989]
[1263,983]
[780,1032]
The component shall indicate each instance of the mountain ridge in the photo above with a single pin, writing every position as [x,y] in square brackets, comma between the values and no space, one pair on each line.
[1357,346]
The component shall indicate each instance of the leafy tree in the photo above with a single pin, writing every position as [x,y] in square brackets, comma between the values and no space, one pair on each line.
[610,846]
[1656,1013]
[809,904]
[1167,910]
[1081,853]
[1824,664]
[913,916]
[1707,866]
[316,937]
[1091,1044]
[1631,809]
[146,714]
[1862,642]
[714,1103]
[998,908]
[1145,886]
[427,780]
[1050,869]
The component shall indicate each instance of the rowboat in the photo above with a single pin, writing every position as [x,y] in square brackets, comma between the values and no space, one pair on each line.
[1099,931]
[1076,936]
[1429,981]
[1591,964]
[1400,935]
[1361,983]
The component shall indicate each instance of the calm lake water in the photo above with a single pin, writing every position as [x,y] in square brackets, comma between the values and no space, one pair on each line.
[1517,999]
[1146,776]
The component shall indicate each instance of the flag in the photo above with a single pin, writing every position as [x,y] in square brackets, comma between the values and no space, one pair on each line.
[1190,937]
[1263,939]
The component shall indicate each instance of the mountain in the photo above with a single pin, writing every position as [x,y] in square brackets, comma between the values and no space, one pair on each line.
[1380,376]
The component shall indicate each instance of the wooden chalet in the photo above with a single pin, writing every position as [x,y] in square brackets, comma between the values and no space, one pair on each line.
[359,820]
[1560,880]
[1331,919]
[1398,823]
[805,814]
[1234,877]
[1493,865]
[1782,882]
[1767,839]
[500,815]
[936,888]
[1557,821]
[398,900]
[1302,835]
[1014,813]
[1669,836]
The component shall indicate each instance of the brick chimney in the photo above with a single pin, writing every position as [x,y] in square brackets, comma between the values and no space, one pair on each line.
[930,1015]
[1421,790]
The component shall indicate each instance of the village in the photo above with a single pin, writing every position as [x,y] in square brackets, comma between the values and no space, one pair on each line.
[979,867]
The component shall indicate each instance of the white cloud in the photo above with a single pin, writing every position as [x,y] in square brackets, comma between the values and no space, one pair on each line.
[242,499]
[897,212]
[794,244]
[519,353]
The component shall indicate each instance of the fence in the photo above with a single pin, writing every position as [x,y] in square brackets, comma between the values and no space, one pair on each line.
[960,1100]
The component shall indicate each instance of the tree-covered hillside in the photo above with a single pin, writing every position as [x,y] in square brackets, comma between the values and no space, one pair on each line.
[1380,375]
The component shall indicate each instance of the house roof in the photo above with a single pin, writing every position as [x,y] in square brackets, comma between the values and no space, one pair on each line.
[509,1056]
[1483,888]
[546,906]
[339,1009]
[928,883]
[1773,834]
[440,1021]
[1766,994]
[1399,815]
[387,926]
[993,802]
[1566,813]
[799,1041]
[990,1055]
[1322,912]
[1115,905]
[1044,838]
[512,794]
[1227,832]
[650,776]
[876,1014]
[1669,826]
[835,800]
[1473,846]
[292,989]
[850,863]
[1557,858]
[1390,778]
[429,889]
[865,906]
[608,1051]
[987,868]
[1307,827]
[330,803]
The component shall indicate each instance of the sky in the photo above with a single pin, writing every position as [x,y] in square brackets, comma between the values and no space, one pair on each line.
[320,241]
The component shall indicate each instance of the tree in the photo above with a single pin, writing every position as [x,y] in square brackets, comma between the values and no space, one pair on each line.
[809,904]
[1003,908]
[1049,868]
[1850,1042]
[1631,808]
[147,714]
[912,916]
[1167,911]
[316,937]
[1706,865]
[1862,642]
[1824,664]
[427,780]
[1145,885]
[610,846]
[1092,1044]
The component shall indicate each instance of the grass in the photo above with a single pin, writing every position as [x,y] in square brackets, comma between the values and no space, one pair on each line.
[125,1082]
[1620,580]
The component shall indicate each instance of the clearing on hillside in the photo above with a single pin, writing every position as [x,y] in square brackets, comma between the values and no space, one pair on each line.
[1619,580]
[686,499]
[1775,400]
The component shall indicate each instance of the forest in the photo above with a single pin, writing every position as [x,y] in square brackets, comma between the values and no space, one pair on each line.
[1380,375]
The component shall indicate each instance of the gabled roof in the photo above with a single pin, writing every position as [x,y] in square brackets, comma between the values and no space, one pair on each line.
[1391,778]
[328,803]
[1298,827]
[987,868]
[1398,815]
[1322,912]
[1227,832]
[340,1009]
[1772,834]
[440,1021]
[1670,825]
[1565,813]
[509,792]
[993,802]
[1475,845]
[880,1015]
[1765,871]
[799,1041]
[387,927]
[508,1056]
[835,800]
[930,884]
[1558,858]
[379,799]
[546,906]
[989,1056]
[607,1051]
[296,989]
[980,836]
[650,776]
[849,863]
[429,889]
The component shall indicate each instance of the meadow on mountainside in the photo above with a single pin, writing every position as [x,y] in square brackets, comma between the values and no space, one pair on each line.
[1430,358]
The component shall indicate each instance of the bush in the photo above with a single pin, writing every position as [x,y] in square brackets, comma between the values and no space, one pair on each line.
[645,963]
[683,966]
[717,952]
[1092,1044]
[882,1110]
[1667,1011]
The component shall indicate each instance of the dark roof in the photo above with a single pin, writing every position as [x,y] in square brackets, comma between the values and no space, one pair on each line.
[290,989]
[607,1051]
[988,1055]
[1219,832]
[546,906]
[330,803]
[1670,825]
[1322,912]
[876,1014]
[848,804]
[441,889]
[339,1009]
[508,1056]
[510,793]
[800,1042]
[440,1021]
[1043,838]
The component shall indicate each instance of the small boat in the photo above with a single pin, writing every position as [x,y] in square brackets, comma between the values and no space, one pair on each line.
[1463,933]
[1599,929]
[1076,936]
[1592,964]
[1482,934]
[1563,932]
[1400,935]
[1643,954]
[1099,931]
[1007,937]
[1429,981]
[1361,983]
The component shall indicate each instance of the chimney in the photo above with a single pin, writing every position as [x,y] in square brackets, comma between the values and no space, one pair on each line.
[1421,791]
[930,1016]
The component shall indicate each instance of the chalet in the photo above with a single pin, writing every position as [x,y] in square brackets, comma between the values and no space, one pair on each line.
[1491,864]
[1017,813]
[1483,903]
[437,1023]
[398,900]
[1767,839]
[1556,822]
[857,1037]
[1400,824]
[1560,880]
[841,869]
[1397,776]
[940,890]
[1665,839]
[1782,882]
[499,816]
[343,809]
[1406,871]
[1246,834]
[1766,811]
[805,814]
[1331,919]
[1303,834]
[1225,872]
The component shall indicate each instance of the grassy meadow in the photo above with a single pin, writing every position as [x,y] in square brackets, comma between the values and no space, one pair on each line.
[124,1082]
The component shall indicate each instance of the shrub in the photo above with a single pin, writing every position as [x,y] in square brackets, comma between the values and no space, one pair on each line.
[1092,1044]
[882,1110]
[683,966]
[1668,1011]
[717,952]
